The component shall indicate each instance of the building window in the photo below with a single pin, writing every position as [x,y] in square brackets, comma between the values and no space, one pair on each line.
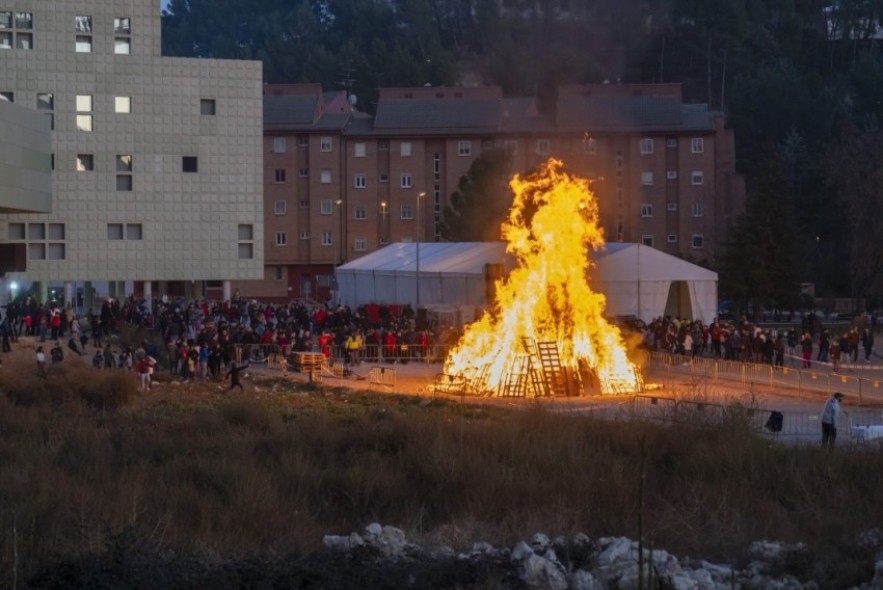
[382,145]
[326,207]
[360,181]
[620,162]
[84,106]
[127,231]
[189,164]
[325,143]
[207,106]
[21,26]
[280,175]
[697,145]
[281,238]
[406,180]
[124,170]
[124,182]
[305,235]
[647,240]
[672,238]
[464,148]
[671,207]
[511,146]
[671,142]
[303,140]
[647,178]
[696,177]
[646,210]
[122,45]
[122,25]
[45,101]
[83,24]
[360,244]
[327,238]
[405,149]
[5,37]
[278,272]
[359,150]
[7,96]
[45,241]
[84,44]
[85,162]
[406,212]
[671,175]
[696,210]
[280,207]
[304,203]
[360,212]
[646,146]
[303,172]
[590,146]
[697,241]
[122,104]
[134,231]
[543,147]
[16,232]
[278,145]
[245,247]
[124,163]
[383,178]
[325,176]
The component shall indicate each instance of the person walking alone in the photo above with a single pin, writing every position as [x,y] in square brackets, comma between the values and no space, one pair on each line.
[830,416]
[235,377]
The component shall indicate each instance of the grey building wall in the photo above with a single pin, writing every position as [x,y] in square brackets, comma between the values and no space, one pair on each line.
[25,160]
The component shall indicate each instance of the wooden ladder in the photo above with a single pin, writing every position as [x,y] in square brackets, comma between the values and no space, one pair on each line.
[517,381]
[554,374]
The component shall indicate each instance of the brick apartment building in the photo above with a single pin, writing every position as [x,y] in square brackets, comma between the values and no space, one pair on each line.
[339,184]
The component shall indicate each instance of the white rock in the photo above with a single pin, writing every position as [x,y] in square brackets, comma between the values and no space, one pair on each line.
[336,542]
[356,540]
[482,548]
[539,543]
[373,530]
[617,549]
[583,580]
[391,541]
[521,551]
[541,574]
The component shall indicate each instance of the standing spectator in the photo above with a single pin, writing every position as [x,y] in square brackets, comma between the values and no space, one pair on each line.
[57,353]
[830,416]
[836,352]
[868,343]
[806,348]
[4,333]
[41,362]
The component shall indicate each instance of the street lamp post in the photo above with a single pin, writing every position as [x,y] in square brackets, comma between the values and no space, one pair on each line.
[383,212]
[334,284]
[419,227]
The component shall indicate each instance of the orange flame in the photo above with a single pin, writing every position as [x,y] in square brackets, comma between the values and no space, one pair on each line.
[552,223]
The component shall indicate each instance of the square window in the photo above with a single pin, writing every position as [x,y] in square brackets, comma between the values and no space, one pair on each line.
[5,19]
[543,146]
[382,145]
[56,231]
[281,238]
[671,206]
[696,210]
[360,212]
[646,146]
[122,46]
[84,122]
[84,44]
[279,145]
[122,104]
[360,181]
[83,24]
[84,103]
[303,172]
[327,238]
[647,178]
[85,162]
[325,176]
[464,148]
[5,40]
[36,231]
[37,251]
[383,178]
[672,238]
[189,164]
[124,163]
[124,182]
[245,231]
[647,240]
[697,241]
[405,149]
[280,175]
[24,20]
[303,140]
[406,212]
[671,175]
[280,207]
[246,251]
[671,142]
[326,207]
[134,231]
[304,203]
[406,181]
[696,177]
[646,210]
[304,235]
[16,231]
[114,231]
[122,25]
[360,244]
[697,145]
[359,150]
[45,101]
[24,41]
[207,106]
[590,146]
[325,143]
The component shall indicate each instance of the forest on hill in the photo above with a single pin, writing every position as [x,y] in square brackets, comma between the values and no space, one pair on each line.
[801,83]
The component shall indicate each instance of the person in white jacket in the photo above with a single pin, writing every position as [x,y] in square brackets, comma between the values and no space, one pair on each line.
[830,417]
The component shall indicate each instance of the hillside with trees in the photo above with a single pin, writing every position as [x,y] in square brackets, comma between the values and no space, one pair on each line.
[801,83]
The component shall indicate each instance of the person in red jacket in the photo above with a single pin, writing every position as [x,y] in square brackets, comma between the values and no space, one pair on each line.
[389,346]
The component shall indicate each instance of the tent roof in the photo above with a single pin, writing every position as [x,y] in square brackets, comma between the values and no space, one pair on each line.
[624,262]
[435,257]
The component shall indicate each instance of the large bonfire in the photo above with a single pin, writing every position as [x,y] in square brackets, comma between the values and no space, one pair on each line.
[547,298]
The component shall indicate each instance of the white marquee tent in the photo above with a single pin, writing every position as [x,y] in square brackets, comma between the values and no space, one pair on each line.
[637,280]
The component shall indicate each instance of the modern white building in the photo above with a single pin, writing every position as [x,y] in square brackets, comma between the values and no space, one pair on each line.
[157,161]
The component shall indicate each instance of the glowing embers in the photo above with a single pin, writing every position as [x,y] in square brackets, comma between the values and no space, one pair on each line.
[546,301]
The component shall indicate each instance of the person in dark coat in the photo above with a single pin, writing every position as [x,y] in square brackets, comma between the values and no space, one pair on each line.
[235,376]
